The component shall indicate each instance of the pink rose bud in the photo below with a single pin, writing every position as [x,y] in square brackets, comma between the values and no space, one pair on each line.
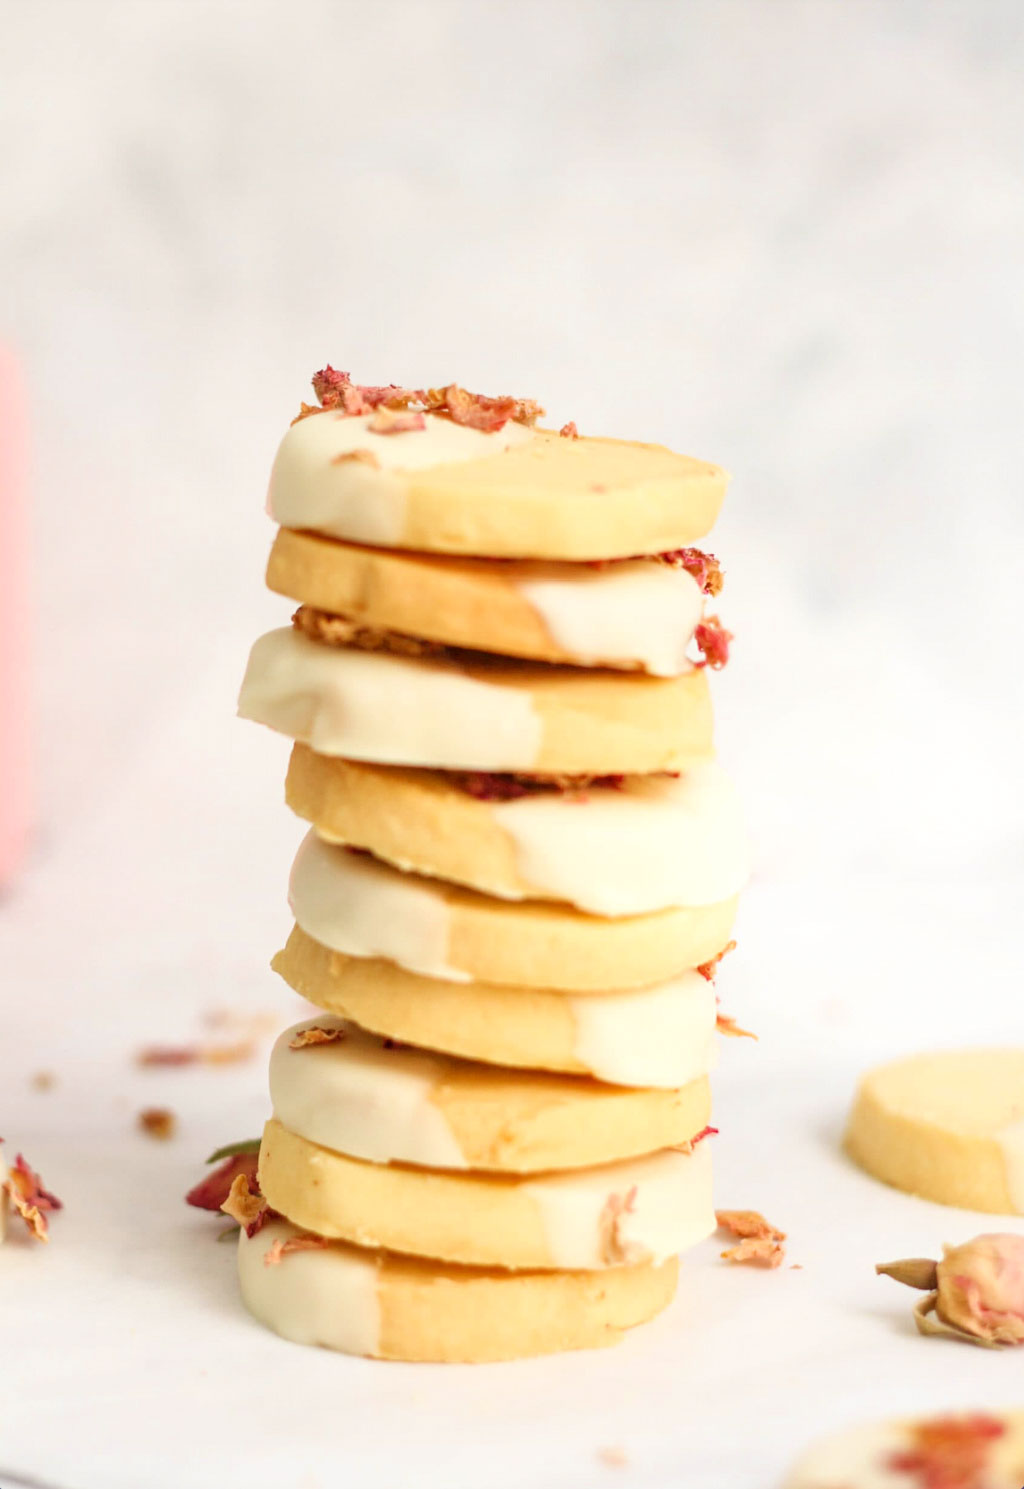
[980,1288]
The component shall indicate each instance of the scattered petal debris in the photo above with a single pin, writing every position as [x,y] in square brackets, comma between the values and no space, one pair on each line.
[569,431]
[708,970]
[731,1029]
[170,1055]
[158,1121]
[247,1206]
[390,421]
[396,409]
[688,1144]
[212,1190]
[316,1034]
[703,567]
[33,1201]
[713,640]
[278,1250]
[760,1243]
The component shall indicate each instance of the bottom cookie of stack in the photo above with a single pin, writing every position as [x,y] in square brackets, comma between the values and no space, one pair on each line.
[391,1307]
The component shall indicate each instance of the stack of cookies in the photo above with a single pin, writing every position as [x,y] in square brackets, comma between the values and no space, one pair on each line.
[522,865]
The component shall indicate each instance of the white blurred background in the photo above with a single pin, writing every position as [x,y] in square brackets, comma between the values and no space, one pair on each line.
[785,235]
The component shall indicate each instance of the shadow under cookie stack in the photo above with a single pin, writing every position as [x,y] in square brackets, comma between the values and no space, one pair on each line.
[522,866]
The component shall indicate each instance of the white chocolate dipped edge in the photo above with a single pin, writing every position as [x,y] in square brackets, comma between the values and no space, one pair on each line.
[326,1297]
[658,1036]
[392,709]
[310,487]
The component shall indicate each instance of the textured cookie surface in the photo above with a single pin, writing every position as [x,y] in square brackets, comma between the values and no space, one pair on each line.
[643,843]
[638,615]
[658,1036]
[639,1209]
[948,1126]
[354,903]
[520,493]
[401,1308]
[486,715]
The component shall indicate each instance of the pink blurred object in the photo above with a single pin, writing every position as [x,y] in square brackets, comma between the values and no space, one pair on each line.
[14,701]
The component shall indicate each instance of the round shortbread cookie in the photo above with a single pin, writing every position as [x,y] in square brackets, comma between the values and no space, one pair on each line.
[646,844]
[403,1308]
[642,1209]
[517,493]
[914,1454]
[636,615]
[492,715]
[658,1036]
[354,903]
[948,1127]
[360,1094]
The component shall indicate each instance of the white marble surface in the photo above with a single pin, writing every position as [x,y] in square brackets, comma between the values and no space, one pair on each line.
[785,236]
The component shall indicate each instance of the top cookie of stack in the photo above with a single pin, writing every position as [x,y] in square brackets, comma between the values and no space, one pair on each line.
[495,687]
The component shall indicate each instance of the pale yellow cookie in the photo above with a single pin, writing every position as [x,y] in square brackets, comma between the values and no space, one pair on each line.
[658,1036]
[390,1307]
[493,715]
[640,844]
[915,1454]
[635,1210]
[638,615]
[363,1095]
[354,903]
[949,1127]
[449,489]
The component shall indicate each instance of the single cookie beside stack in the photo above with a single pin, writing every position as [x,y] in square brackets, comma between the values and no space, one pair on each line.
[522,866]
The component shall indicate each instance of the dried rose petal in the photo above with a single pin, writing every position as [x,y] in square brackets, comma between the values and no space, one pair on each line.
[211,1192]
[277,1250]
[950,1452]
[713,640]
[688,1144]
[32,1200]
[569,431]
[748,1223]
[389,421]
[247,1206]
[731,1029]
[708,969]
[158,1121]
[756,1251]
[701,566]
[316,1035]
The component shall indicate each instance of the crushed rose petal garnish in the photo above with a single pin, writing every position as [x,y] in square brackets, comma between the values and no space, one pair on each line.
[158,1121]
[709,969]
[316,1035]
[713,640]
[211,1191]
[731,1029]
[688,1144]
[503,786]
[950,1452]
[760,1241]
[569,431]
[615,1250]
[247,1206]
[30,1197]
[701,566]
[336,390]
[196,1054]
[392,421]
[277,1250]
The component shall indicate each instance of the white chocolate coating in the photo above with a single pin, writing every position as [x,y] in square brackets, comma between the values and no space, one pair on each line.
[311,488]
[659,1036]
[391,709]
[637,614]
[656,842]
[358,1097]
[350,902]
[326,1296]
[667,1207]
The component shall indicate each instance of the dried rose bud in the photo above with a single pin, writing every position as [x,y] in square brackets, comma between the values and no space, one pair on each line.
[975,1293]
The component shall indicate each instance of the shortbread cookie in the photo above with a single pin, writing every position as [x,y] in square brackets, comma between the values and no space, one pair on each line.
[964,1450]
[401,1308]
[363,1095]
[638,615]
[643,844]
[486,715]
[657,1036]
[516,493]
[949,1127]
[354,903]
[642,1209]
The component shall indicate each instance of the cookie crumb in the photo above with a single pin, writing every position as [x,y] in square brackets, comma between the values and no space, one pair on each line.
[43,1080]
[158,1121]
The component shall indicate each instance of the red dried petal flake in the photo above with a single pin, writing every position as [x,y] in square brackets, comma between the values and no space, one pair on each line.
[748,1223]
[197,1054]
[316,1035]
[708,970]
[502,786]
[569,431]
[29,1196]
[756,1251]
[211,1191]
[247,1206]
[278,1250]
[688,1144]
[713,640]
[390,421]
[732,1029]
[337,391]
[950,1452]
[701,566]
